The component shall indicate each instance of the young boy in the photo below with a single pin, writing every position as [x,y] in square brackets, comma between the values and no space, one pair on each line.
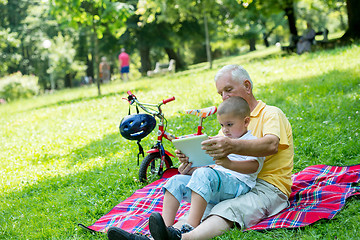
[229,178]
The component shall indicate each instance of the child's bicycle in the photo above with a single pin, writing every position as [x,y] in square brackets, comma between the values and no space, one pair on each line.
[152,167]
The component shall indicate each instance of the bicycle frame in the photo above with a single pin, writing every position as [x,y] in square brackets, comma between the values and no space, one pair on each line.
[155,110]
[149,108]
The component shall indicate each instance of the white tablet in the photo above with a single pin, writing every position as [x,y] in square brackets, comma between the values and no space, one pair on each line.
[191,147]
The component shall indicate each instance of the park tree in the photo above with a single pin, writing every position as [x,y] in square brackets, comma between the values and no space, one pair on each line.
[36,30]
[274,6]
[253,21]
[338,6]
[353,16]
[13,12]
[250,18]
[24,47]
[98,16]
[27,25]
[146,36]
[180,11]
[62,63]
[353,9]
[246,19]
[178,27]
[269,25]
[8,41]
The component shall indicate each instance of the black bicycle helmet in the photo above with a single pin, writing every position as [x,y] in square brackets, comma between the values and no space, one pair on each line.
[137,126]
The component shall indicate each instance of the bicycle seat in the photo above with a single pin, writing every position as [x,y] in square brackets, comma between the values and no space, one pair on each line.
[203,113]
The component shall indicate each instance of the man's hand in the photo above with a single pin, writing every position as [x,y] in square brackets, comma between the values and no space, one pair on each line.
[218,147]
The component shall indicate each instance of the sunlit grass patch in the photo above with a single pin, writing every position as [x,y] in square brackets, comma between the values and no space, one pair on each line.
[63,161]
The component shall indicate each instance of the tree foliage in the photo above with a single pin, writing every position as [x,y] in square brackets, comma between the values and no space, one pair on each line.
[186,30]
[176,12]
[98,15]
[8,40]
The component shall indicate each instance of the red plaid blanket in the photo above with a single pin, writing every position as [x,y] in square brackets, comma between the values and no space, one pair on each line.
[318,192]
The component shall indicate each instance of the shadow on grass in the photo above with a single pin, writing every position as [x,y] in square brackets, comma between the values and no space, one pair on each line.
[83,99]
[108,146]
[322,111]
[56,205]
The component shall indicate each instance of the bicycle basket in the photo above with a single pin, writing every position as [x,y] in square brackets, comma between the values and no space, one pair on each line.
[137,126]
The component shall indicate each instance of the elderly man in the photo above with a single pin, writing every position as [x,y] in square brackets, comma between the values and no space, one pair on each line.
[270,195]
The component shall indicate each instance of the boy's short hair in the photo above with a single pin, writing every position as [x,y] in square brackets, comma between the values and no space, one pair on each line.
[234,105]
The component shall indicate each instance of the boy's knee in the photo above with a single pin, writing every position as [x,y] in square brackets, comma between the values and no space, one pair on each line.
[205,173]
[173,181]
[176,185]
[177,182]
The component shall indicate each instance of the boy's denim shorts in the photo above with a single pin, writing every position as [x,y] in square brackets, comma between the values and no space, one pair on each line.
[214,186]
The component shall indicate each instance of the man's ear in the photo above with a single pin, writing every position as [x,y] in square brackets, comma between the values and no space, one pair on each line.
[247,85]
[247,121]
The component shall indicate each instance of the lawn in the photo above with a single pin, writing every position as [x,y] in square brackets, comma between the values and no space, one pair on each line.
[63,161]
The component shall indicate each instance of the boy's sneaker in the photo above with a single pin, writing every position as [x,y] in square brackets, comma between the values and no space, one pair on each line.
[115,233]
[159,231]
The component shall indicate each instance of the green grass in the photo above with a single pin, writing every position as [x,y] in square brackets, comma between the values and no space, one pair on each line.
[63,161]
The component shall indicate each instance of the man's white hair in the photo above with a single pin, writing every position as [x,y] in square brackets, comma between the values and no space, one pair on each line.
[238,73]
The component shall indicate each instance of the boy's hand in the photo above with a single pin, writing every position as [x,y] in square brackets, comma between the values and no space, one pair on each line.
[186,169]
[185,166]
[182,157]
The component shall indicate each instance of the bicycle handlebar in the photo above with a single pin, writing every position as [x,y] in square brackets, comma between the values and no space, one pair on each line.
[165,101]
[132,99]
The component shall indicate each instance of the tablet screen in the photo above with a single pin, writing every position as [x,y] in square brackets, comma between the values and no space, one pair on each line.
[191,147]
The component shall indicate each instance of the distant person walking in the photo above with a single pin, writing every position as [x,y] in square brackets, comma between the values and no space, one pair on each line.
[104,69]
[124,64]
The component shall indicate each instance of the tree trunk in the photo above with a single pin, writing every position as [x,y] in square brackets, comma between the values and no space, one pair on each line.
[353,31]
[96,54]
[180,64]
[68,80]
[144,59]
[207,41]
[83,51]
[290,13]
[252,43]
[90,67]
[342,21]
[12,16]
[266,41]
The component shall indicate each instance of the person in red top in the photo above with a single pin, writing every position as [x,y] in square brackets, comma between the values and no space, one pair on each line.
[124,64]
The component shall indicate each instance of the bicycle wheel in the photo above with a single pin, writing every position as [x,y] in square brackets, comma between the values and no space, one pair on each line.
[149,168]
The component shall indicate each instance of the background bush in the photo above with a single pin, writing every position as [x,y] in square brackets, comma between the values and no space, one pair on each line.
[17,86]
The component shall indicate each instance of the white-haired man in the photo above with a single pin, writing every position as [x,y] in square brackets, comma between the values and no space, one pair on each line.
[270,195]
